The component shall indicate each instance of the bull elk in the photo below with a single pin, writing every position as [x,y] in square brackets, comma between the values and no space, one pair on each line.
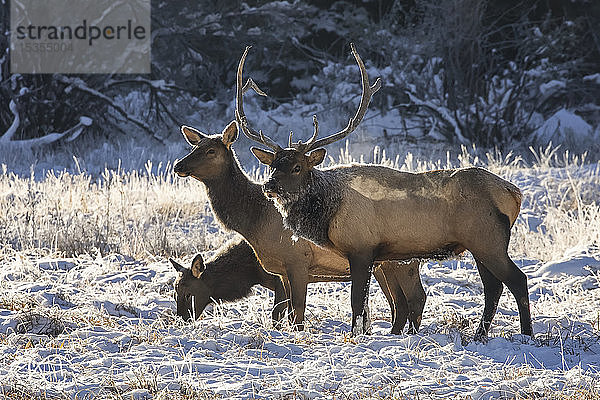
[240,206]
[368,213]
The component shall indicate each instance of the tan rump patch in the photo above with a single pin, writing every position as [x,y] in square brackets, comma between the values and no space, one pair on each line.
[374,190]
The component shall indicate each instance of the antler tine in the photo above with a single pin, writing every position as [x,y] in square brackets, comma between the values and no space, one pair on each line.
[315,131]
[367,93]
[240,116]
[299,145]
[250,84]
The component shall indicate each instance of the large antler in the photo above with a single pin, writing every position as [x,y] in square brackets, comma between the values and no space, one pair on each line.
[367,93]
[240,116]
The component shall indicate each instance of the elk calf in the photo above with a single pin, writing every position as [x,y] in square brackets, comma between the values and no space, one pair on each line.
[369,213]
[228,276]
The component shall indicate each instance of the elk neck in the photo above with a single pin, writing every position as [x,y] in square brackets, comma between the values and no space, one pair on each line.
[310,213]
[237,202]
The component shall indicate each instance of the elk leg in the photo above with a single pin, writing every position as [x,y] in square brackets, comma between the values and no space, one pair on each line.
[381,278]
[497,263]
[503,269]
[517,284]
[409,280]
[404,282]
[360,272]
[492,290]
[281,302]
[298,297]
[402,308]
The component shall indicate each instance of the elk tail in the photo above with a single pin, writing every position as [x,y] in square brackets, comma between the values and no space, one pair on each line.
[517,197]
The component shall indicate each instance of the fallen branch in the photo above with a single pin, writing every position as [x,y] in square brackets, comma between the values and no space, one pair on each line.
[156,84]
[12,129]
[78,84]
[70,134]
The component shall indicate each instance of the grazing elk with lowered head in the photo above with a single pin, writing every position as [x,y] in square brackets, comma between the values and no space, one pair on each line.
[227,276]
[368,213]
[239,204]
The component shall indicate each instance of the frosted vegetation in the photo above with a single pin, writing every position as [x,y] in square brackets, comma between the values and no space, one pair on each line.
[87,309]
[90,209]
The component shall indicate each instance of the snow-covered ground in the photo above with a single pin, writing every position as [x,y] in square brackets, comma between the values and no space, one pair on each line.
[103,324]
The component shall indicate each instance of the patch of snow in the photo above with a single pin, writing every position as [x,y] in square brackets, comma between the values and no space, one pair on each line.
[594,78]
[549,88]
[576,262]
[232,351]
[567,128]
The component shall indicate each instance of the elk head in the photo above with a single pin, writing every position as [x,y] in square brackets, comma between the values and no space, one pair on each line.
[209,156]
[192,295]
[292,166]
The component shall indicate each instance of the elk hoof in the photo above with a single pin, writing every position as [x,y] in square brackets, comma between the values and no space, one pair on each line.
[361,326]
[396,331]
[480,336]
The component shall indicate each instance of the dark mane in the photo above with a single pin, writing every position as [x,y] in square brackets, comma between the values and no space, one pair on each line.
[309,213]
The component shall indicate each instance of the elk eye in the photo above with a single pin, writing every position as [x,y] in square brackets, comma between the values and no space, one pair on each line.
[210,151]
[296,169]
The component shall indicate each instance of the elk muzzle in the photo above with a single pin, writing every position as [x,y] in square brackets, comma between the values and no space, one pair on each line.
[180,169]
[271,189]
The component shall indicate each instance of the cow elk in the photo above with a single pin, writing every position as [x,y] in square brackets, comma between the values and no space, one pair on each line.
[368,213]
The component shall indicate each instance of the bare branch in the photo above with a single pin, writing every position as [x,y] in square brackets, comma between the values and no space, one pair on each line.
[441,113]
[78,84]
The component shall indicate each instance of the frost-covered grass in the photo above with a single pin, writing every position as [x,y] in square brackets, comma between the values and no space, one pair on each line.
[86,306]
[139,214]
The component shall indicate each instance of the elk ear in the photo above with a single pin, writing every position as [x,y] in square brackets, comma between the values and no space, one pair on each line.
[191,135]
[197,266]
[316,157]
[230,134]
[178,267]
[264,156]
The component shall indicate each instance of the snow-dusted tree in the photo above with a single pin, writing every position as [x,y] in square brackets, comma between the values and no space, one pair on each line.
[486,68]
[470,70]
